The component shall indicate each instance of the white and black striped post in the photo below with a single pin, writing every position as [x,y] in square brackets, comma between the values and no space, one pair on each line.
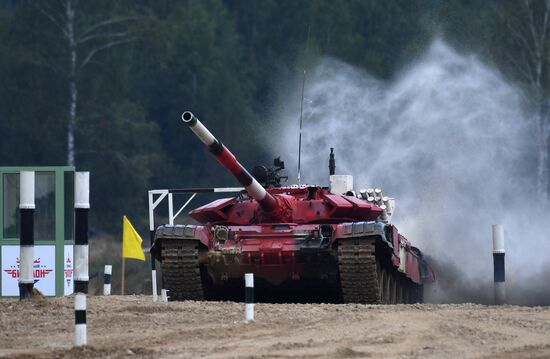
[81,208]
[249,296]
[153,268]
[26,244]
[81,337]
[152,240]
[107,279]
[498,264]
[81,277]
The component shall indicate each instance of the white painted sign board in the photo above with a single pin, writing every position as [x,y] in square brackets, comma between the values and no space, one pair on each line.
[43,270]
[68,284]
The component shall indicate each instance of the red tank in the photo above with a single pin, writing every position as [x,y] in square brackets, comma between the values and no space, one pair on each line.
[302,242]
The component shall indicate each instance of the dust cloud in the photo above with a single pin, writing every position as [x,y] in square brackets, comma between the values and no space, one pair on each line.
[453,141]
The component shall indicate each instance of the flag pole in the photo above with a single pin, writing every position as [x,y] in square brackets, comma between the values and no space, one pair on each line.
[123,261]
[122,279]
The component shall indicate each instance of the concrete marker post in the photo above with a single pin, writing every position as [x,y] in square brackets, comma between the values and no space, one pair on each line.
[499,264]
[81,337]
[107,279]
[82,207]
[153,269]
[26,244]
[164,295]
[81,276]
[152,240]
[249,296]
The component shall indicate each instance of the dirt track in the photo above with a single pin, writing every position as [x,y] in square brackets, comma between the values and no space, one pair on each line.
[133,326]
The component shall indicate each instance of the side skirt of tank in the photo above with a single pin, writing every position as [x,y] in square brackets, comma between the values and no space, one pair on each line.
[368,276]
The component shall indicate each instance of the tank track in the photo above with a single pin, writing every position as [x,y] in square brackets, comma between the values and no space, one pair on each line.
[364,278]
[358,271]
[181,269]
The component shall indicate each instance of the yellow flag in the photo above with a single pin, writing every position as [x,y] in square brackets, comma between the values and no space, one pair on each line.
[131,242]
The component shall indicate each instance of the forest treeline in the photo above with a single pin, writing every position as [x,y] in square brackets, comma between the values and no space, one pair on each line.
[102,84]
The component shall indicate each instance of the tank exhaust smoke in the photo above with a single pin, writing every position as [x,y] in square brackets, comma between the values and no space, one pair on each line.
[451,140]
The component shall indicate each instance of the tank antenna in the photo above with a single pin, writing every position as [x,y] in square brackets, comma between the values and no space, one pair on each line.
[300,133]
[302,110]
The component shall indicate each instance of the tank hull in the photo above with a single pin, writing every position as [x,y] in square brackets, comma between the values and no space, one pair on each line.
[347,262]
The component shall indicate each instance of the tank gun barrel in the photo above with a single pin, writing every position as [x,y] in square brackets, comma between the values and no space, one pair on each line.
[267,202]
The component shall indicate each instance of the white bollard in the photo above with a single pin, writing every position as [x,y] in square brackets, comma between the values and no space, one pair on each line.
[80,320]
[249,296]
[499,264]
[164,295]
[107,279]
[154,279]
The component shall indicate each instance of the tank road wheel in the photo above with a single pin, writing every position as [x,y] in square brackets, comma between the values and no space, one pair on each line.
[180,267]
[399,289]
[359,273]
[409,292]
[386,287]
[393,288]
[416,293]
[402,289]
[381,273]
[406,291]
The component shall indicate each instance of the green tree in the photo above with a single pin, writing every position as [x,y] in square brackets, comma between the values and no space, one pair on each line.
[195,63]
[30,111]
[84,31]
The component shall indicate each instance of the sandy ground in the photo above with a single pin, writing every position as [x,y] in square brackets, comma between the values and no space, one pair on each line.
[133,326]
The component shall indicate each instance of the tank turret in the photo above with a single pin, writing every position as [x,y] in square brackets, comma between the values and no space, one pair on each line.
[267,202]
